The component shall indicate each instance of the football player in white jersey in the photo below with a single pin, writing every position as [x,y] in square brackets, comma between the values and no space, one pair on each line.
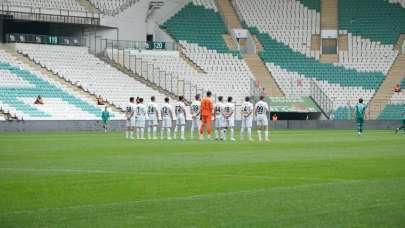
[247,118]
[261,112]
[167,118]
[229,116]
[219,119]
[153,117]
[180,110]
[195,110]
[130,116]
[141,117]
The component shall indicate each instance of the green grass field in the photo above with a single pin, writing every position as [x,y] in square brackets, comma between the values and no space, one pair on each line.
[307,178]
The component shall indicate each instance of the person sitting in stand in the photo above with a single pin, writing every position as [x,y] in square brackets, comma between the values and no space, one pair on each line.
[274,118]
[100,100]
[397,88]
[39,101]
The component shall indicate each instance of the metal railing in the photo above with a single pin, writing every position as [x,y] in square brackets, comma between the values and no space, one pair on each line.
[150,72]
[320,97]
[373,110]
[49,14]
[117,51]
[136,45]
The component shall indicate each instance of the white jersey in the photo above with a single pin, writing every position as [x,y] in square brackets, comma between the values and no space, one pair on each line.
[130,109]
[229,110]
[165,110]
[152,111]
[195,109]
[180,109]
[141,112]
[219,109]
[247,108]
[261,108]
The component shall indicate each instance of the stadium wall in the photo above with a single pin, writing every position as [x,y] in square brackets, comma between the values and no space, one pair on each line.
[119,125]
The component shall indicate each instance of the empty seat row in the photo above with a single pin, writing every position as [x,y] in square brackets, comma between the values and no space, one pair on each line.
[20,86]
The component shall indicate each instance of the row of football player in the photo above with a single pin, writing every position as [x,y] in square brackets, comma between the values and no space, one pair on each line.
[139,115]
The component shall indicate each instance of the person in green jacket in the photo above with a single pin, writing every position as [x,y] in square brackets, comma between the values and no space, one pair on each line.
[105,117]
[360,115]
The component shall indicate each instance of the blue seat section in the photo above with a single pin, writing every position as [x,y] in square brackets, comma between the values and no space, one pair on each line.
[283,56]
[40,87]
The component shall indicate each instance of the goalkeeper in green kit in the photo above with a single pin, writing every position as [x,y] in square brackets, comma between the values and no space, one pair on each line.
[105,117]
[360,115]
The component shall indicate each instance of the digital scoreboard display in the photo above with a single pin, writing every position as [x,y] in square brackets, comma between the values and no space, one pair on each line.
[43,39]
[53,40]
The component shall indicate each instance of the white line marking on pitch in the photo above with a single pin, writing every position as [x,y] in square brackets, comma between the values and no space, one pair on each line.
[163,173]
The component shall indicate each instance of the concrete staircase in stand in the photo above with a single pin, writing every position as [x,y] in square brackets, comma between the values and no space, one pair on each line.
[383,95]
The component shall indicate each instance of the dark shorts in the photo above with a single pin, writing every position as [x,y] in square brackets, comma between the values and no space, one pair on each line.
[105,121]
[360,120]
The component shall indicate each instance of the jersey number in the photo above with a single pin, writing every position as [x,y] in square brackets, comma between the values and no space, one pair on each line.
[260,109]
[178,109]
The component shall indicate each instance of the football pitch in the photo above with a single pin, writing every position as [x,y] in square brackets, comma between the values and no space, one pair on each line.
[303,178]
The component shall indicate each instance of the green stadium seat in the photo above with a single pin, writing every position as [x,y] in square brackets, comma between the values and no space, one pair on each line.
[376,20]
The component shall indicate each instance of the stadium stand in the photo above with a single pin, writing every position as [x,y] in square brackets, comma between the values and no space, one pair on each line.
[378,21]
[395,109]
[285,28]
[223,73]
[312,4]
[79,67]
[198,28]
[403,48]
[112,7]
[46,4]
[287,21]
[367,56]
[400,2]
[20,85]
[199,24]
[391,112]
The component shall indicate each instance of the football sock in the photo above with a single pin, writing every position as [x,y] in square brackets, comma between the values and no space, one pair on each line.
[149,132]
[126,134]
[249,133]
[241,133]
[182,132]
[168,133]
[259,134]
[137,133]
[266,135]
[154,132]
[232,133]
[142,133]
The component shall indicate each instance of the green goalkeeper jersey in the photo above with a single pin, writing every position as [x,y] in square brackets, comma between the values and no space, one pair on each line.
[105,116]
[359,109]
